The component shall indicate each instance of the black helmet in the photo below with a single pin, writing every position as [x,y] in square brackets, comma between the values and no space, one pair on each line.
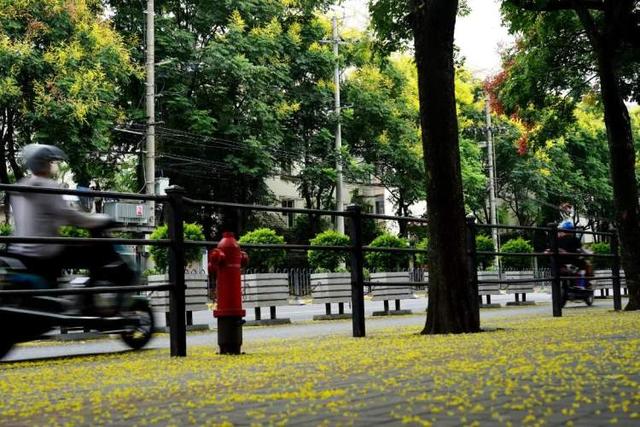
[38,156]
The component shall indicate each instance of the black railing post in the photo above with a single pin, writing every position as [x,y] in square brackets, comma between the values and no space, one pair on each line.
[357,271]
[472,265]
[556,291]
[177,316]
[615,271]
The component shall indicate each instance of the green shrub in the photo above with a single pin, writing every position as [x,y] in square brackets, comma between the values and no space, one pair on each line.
[601,248]
[264,260]
[5,229]
[331,261]
[485,244]
[72,231]
[388,261]
[518,245]
[160,254]
[422,258]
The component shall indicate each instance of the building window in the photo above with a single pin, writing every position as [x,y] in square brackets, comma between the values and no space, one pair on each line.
[380,206]
[289,215]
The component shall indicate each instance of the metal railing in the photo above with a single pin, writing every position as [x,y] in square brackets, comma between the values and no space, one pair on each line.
[555,257]
[356,249]
[176,202]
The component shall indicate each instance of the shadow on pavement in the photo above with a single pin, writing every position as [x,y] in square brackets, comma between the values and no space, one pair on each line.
[68,357]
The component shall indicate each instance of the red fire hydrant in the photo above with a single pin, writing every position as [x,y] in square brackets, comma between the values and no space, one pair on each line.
[226,261]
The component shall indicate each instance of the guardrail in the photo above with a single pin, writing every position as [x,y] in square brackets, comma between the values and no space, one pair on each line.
[555,257]
[177,202]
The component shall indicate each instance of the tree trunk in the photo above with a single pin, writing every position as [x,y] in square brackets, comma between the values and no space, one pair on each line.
[623,177]
[403,226]
[453,307]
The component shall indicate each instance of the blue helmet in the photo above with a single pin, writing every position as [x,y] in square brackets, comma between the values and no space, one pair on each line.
[567,224]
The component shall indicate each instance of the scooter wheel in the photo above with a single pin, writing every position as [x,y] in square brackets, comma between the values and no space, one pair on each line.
[589,300]
[5,346]
[140,336]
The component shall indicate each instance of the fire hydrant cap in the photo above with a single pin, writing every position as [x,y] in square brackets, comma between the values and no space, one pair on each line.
[228,235]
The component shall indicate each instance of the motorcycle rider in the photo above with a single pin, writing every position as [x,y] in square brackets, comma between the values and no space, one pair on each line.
[42,215]
[569,245]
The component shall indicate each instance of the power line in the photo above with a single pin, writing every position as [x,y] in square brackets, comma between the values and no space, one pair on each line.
[178,142]
[209,141]
[189,159]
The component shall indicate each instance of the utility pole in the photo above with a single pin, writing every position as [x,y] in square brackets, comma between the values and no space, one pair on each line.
[339,180]
[150,157]
[492,179]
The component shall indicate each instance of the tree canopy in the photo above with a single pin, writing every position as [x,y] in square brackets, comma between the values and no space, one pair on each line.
[567,45]
[62,71]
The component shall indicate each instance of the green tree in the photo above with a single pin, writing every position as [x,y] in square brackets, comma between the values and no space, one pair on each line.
[520,177]
[62,71]
[382,128]
[578,168]
[371,228]
[241,89]
[422,258]
[588,38]
[538,170]
[470,99]
[474,178]
[310,124]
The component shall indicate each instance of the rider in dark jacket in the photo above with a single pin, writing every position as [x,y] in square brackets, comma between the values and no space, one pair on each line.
[570,248]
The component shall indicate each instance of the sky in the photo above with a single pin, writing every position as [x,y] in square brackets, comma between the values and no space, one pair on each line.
[479,35]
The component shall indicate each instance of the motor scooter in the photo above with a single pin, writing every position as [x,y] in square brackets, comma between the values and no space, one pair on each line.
[26,318]
[573,286]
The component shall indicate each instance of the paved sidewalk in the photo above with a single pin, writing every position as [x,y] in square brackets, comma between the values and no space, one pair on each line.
[301,326]
[533,369]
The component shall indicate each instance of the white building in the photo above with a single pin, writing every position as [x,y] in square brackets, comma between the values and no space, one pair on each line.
[284,189]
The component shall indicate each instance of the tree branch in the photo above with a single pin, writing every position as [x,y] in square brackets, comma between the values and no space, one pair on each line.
[553,5]
[590,26]
[628,16]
